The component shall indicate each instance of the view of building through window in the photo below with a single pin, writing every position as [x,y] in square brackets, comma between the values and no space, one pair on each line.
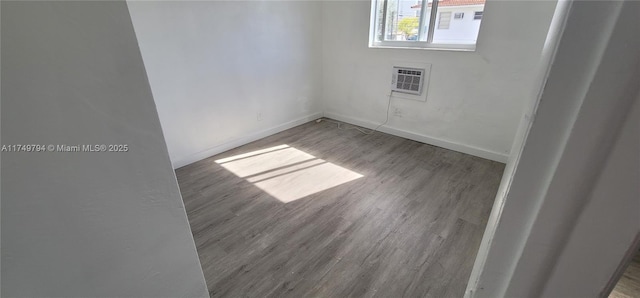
[457,21]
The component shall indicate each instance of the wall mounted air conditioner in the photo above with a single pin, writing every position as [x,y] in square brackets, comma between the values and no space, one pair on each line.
[407,80]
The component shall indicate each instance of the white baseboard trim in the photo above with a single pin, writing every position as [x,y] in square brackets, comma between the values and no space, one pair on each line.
[242,141]
[471,150]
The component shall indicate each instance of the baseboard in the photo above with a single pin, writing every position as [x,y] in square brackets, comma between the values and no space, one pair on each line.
[471,150]
[475,151]
[242,141]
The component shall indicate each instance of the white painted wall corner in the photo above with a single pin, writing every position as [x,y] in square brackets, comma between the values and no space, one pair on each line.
[464,148]
[243,140]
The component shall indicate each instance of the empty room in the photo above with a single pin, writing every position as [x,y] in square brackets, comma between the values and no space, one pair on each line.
[307,148]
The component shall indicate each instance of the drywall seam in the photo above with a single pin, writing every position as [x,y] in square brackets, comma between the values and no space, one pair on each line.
[467,149]
[243,140]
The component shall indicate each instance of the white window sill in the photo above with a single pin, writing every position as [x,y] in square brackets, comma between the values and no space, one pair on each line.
[435,47]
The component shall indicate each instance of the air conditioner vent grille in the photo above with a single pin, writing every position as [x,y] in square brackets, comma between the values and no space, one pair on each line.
[407,80]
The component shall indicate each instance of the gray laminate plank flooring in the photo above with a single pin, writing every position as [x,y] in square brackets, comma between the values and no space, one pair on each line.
[410,226]
[629,284]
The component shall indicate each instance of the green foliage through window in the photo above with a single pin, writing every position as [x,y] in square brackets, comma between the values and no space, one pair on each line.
[409,26]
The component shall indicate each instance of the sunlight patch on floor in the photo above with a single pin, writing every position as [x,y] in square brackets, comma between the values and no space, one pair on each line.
[287,173]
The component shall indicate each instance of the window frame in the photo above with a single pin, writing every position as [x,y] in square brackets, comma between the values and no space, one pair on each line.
[404,44]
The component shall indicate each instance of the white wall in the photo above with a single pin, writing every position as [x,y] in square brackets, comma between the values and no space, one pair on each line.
[574,194]
[227,72]
[542,70]
[608,224]
[86,224]
[475,99]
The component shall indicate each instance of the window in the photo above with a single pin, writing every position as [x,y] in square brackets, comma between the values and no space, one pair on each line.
[424,24]
[445,19]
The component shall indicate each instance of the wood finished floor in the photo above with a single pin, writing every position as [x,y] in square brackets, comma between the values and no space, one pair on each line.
[410,227]
[629,284]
